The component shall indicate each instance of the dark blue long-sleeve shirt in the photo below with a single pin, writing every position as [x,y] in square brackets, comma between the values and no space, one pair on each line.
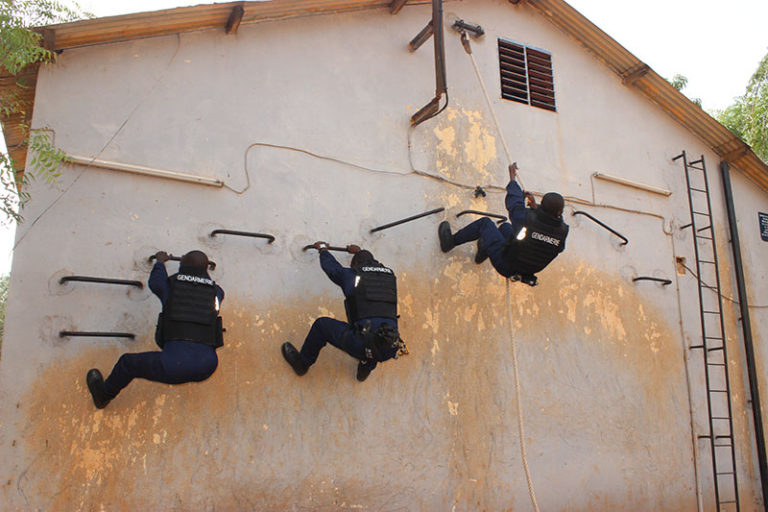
[158,283]
[515,203]
[344,277]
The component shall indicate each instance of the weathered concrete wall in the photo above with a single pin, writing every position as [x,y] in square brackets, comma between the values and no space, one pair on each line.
[602,361]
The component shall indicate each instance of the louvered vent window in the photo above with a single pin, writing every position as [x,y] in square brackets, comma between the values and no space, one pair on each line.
[526,75]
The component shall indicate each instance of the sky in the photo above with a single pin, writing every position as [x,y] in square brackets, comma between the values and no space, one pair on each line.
[716,45]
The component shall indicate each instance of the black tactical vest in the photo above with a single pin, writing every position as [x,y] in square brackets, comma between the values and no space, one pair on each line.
[543,241]
[375,293]
[190,312]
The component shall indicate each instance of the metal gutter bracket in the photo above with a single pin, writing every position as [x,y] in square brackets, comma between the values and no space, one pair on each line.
[235,17]
[434,28]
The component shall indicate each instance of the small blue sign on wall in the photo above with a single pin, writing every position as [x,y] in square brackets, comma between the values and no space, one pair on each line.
[763,225]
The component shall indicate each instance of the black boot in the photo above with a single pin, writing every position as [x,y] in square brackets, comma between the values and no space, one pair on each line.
[96,386]
[446,238]
[482,253]
[363,371]
[294,359]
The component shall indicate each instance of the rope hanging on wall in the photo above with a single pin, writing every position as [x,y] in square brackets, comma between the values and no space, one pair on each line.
[468,49]
[520,427]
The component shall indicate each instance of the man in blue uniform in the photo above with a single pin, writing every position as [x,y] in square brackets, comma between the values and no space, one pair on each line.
[522,247]
[370,335]
[188,331]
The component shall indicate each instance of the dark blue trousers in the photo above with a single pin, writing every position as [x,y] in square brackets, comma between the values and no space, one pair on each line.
[337,333]
[492,236]
[179,362]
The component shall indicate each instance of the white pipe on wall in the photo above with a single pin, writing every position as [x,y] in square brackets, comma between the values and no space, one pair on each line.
[148,171]
[633,184]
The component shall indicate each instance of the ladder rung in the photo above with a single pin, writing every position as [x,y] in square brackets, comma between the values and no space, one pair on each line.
[703,237]
[704,228]
[706,261]
[720,418]
[697,189]
[723,446]
[696,346]
[714,364]
[700,213]
[715,349]
[713,337]
[724,473]
[718,391]
[729,436]
[694,162]
[727,502]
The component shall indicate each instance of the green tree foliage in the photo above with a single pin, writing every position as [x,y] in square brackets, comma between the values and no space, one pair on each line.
[20,46]
[679,82]
[747,118]
[3,297]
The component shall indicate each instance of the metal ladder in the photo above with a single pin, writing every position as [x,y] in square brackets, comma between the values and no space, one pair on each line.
[713,347]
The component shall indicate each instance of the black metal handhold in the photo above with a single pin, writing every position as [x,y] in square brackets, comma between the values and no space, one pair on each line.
[661,280]
[97,334]
[330,248]
[501,218]
[242,233]
[408,219]
[211,264]
[105,280]
[626,240]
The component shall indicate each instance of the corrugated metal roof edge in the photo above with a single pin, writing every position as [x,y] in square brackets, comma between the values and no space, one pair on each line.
[635,72]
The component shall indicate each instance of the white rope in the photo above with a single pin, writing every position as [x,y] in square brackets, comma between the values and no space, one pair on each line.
[490,107]
[519,405]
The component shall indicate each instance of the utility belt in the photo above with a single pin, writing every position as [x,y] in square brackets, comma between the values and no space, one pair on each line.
[380,341]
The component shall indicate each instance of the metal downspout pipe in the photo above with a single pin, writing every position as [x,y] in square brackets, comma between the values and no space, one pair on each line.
[747,332]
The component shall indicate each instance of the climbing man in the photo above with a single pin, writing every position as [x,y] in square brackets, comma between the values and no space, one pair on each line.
[370,334]
[522,247]
[188,331]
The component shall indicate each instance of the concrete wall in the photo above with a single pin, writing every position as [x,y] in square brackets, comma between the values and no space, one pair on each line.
[609,421]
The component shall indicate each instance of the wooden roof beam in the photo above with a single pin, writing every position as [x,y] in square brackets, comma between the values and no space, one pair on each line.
[632,75]
[737,153]
[235,17]
[396,5]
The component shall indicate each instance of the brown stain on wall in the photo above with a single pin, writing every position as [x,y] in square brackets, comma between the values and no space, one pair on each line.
[602,394]
[426,432]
